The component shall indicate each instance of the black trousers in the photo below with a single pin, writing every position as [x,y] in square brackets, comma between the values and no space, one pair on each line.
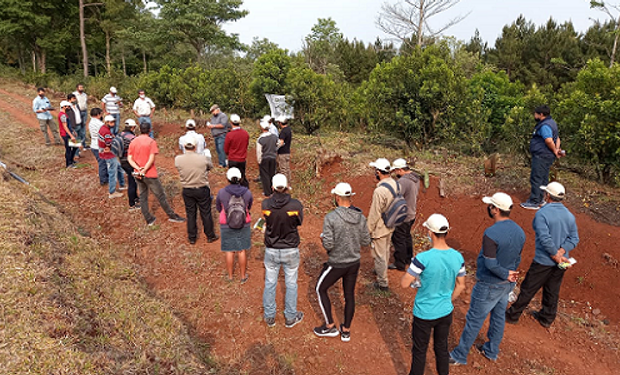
[328,277]
[403,244]
[194,199]
[421,334]
[132,187]
[267,170]
[538,276]
[241,165]
[69,151]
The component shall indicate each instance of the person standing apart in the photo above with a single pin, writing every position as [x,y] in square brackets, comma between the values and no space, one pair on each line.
[234,203]
[66,133]
[141,156]
[344,233]
[236,147]
[111,105]
[112,163]
[401,238]
[556,235]
[440,273]
[82,103]
[545,148]
[144,108]
[41,106]
[266,152]
[283,215]
[219,126]
[95,124]
[201,144]
[120,147]
[496,276]
[379,232]
[284,148]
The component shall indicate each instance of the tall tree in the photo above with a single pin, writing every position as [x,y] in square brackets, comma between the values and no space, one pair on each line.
[609,9]
[320,45]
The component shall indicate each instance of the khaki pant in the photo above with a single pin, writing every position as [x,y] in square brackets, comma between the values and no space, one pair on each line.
[43,125]
[381,254]
[284,166]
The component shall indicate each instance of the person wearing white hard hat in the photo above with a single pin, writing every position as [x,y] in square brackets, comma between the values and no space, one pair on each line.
[94,125]
[219,126]
[120,147]
[266,153]
[556,236]
[344,233]
[234,203]
[201,144]
[402,241]
[66,133]
[111,105]
[144,108]
[284,148]
[115,172]
[273,129]
[381,235]
[283,216]
[496,277]
[439,275]
[236,147]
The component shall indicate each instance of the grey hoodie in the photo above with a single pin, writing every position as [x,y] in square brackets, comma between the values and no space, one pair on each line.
[344,232]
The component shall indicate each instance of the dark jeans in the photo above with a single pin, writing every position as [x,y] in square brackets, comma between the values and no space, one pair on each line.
[421,333]
[132,186]
[329,276]
[69,151]
[198,198]
[153,184]
[267,170]
[538,276]
[80,131]
[539,176]
[103,167]
[241,166]
[403,244]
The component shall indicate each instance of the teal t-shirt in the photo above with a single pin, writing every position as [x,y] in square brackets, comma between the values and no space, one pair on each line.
[437,271]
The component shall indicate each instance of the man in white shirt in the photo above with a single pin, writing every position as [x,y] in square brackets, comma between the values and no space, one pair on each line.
[144,108]
[82,102]
[201,144]
[96,115]
[112,104]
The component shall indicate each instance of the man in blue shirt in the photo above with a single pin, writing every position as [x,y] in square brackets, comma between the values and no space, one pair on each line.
[496,277]
[441,273]
[42,107]
[545,148]
[556,236]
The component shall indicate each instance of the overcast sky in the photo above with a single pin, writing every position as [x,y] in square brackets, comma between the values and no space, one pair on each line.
[287,22]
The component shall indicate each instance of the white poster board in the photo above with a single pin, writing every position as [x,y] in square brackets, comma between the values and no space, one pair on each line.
[279,106]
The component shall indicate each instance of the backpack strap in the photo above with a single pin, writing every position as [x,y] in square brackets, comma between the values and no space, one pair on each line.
[387,186]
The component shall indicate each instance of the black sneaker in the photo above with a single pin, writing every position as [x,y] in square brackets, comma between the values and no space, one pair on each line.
[454,362]
[152,222]
[344,336]
[536,316]
[511,321]
[271,322]
[323,331]
[176,219]
[290,323]
[209,240]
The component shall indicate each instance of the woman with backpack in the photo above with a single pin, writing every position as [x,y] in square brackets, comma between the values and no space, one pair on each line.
[234,203]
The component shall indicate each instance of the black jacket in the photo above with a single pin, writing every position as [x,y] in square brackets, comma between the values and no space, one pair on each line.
[283,215]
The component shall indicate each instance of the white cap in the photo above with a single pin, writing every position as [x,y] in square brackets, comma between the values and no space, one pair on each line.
[113,90]
[190,123]
[264,124]
[555,189]
[499,200]
[437,223]
[266,118]
[381,164]
[130,122]
[232,173]
[109,118]
[343,189]
[235,119]
[189,140]
[279,181]
[399,163]
[64,103]
[282,119]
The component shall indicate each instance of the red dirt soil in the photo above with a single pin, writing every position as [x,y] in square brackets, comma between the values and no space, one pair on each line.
[228,316]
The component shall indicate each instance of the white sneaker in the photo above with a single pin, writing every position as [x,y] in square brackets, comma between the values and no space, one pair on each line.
[116,194]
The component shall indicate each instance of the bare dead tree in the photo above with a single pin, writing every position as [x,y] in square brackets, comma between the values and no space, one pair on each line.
[607,9]
[406,18]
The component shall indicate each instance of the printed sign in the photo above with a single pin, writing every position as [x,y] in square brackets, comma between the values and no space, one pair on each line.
[279,106]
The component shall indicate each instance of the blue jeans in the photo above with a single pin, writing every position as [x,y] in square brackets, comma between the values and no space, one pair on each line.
[117,118]
[103,168]
[219,147]
[539,176]
[289,260]
[114,171]
[146,120]
[485,299]
[80,130]
[84,115]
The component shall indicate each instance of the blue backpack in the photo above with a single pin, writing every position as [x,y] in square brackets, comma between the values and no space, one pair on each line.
[396,212]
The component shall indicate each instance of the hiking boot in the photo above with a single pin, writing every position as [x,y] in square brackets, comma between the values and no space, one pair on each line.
[176,219]
[116,194]
[290,323]
[213,239]
[323,331]
[480,349]
[536,316]
[530,206]
[380,288]
[271,322]
[151,223]
[344,336]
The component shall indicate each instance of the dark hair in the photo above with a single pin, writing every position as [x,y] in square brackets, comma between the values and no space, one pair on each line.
[141,90]
[235,180]
[78,85]
[40,89]
[503,213]
[382,172]
[555,199]
[71,96]
[145,128]
[543,110]
[95,112]
[189,147]
[440,235]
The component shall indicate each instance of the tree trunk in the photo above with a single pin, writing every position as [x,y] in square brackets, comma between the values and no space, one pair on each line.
[108,63]
[34,61]
[613,50]
[421,23]
[83,40]
[144,60]
[42,63]
[124,65]
[95,64]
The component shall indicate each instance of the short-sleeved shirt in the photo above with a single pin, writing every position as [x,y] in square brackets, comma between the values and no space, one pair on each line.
[111,103]
[545,132]
[42,103]
[143,106]
[62,118]
[286,135]
[82,100]
[141,149]
[437,271]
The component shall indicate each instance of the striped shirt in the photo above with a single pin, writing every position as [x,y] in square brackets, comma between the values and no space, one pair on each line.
[111,103]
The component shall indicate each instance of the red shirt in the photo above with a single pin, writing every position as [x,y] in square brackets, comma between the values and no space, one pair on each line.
[140,150]
[236,144]
[62,118]
[105,140]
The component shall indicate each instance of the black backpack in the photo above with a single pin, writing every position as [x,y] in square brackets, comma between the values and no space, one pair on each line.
[235,214]
[396,212]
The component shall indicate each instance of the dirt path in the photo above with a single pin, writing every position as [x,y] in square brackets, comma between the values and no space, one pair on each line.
[228,316]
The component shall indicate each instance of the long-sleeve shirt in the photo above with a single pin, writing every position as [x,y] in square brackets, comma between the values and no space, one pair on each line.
[193,169]
[200,141]
[381,199]
[266,147]
[344,233]
[93,128]
[502,245]
[555,228]
[42,103]
[105,140]
[236,144]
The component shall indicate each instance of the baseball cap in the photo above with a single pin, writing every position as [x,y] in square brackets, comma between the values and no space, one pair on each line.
[399,163]
[214,107]
[113,90]
[265,124]
[130,122]
[381,164]
[279,181]
[343,189]
[190,123]
[235,119]
[266,118]
[232,173]
[499,200]
[437,223]
[189,140]
[64,103]
[109,118]
[555,189]
[282,119]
